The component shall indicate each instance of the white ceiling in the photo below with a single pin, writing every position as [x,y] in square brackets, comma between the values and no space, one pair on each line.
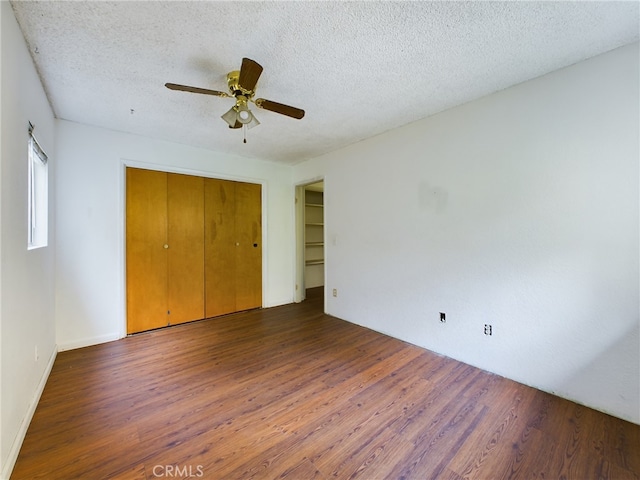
[357,68]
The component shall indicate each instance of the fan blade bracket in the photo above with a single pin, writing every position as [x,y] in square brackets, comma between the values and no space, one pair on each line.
[280,108]
[204,91]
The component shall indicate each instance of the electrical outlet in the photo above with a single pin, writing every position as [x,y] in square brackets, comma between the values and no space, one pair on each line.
[443,317]
[488,329]
[335,292]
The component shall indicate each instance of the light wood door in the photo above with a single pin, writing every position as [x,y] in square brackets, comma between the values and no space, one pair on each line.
[185,264]
[220,245]
[165,249]
[194,248]
[233,246]
[249,246]
[146,232]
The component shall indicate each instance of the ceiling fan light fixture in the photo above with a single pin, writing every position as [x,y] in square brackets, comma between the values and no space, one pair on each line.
[254,121]
[244,115]
[230,117]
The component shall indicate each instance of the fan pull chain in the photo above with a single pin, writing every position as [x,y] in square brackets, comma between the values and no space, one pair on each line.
[244,131]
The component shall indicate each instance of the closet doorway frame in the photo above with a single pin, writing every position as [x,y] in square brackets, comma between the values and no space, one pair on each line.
[299,293]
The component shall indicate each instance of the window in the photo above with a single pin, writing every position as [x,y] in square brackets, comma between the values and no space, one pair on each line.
[38,205]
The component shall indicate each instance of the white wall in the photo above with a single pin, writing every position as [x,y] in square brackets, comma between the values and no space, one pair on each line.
[90,289]
[518,210]
[26,289]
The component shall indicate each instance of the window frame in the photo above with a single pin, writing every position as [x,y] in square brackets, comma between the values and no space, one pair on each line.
[38,195]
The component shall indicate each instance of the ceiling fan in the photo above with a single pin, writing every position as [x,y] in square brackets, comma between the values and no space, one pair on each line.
[242,84]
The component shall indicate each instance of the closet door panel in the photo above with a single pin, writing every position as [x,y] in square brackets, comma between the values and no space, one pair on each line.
[249,249]
[220,245]
[146,271]
[185,207]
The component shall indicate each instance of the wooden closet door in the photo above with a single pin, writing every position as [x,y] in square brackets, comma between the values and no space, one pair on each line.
[248,231]
[146,231]
[185,209]
[220,245]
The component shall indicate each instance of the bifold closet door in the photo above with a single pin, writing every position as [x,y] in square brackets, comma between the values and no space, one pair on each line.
[185,255]
[220,259]
[165,249]
[249,248]
[233,246]
[146,232]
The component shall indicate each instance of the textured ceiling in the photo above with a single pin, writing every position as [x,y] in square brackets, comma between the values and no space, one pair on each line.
[357,68]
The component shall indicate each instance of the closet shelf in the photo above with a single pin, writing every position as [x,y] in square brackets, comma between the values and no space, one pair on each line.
[314,244]
[315,262]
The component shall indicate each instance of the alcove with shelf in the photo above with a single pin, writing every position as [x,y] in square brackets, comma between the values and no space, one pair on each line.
[314,235]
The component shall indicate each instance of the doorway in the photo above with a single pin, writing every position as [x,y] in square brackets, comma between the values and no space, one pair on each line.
[310,238]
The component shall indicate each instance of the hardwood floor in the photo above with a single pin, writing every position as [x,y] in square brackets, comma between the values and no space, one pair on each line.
[289,392]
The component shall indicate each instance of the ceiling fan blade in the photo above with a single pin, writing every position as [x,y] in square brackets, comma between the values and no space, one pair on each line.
[250,72]
[280,108]
[205,91]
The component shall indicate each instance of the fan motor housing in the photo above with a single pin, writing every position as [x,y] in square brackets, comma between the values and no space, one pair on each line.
[233,79]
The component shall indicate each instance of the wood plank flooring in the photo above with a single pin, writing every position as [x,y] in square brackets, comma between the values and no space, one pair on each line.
[289,392]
